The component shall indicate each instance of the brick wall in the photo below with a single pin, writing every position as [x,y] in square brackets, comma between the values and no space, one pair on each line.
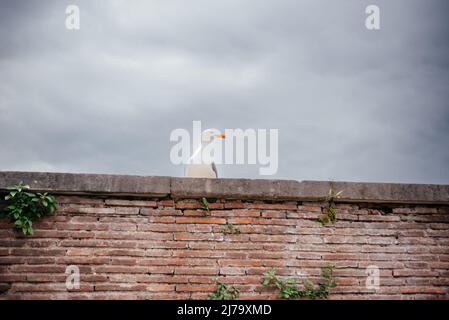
[132,238]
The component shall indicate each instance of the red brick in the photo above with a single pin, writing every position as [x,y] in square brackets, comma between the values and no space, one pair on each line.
[196,271]
[409,290]
[379,218]
[130,203]
[198,236]
[161,219]
[123,261]
[121,226]
[234,205]
[216,205]
[140,247]
[414,273]
[235,213]
[12,277]
[310,208]
[83,219]
[79,252]
[160,212]
[94,210]
[201,220]
[273,238]
[196,287]
[161,227]
[273,206]
[273,214]
[79,200]
[241,220]
[160,287]
[198,253]
[166,203]
[37,252]
[240,263]
[188,204]
[197,213]
[120,287]
[232,271]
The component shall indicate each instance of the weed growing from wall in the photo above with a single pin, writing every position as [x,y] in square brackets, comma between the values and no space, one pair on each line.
[330,213]
[224,293]
[24,207]
[205,204]
[231,229]
[288,289]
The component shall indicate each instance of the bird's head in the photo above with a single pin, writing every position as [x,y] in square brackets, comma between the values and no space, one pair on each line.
[210,134]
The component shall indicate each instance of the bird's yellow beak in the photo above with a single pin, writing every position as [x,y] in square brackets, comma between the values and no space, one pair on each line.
[221,135]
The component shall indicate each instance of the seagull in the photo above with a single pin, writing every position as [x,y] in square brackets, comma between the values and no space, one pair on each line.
[200,164]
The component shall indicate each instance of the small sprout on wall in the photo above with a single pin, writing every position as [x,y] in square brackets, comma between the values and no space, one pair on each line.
[329,210]
[205,203]
[24,207]
[288,289]
[224,293]
[231,229]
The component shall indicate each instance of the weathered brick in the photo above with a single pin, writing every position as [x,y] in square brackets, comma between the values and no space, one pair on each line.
[129,248]
[273,206]
[241,220]
[166,203]
[195,287]
[239,213]
[160,287]
[95,210]
[79,200]
[200,220]
[160,212]
[272,238]
[188,204]
[130,203]
[274,214]
[415,273]
[196,271]
[198,236]
[234,205]
[195,213]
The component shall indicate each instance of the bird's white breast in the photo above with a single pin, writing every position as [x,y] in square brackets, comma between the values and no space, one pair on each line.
[200,171]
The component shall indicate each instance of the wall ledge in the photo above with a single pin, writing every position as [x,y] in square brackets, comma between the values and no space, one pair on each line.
[160,186]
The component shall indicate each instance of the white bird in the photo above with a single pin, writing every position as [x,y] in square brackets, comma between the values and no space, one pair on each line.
[200,164]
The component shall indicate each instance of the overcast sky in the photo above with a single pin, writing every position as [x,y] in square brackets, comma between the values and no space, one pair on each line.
[350,103]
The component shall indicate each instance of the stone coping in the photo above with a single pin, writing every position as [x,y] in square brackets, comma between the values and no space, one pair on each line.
[257,189]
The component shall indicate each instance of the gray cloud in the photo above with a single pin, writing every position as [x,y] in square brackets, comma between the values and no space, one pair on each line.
[350,104]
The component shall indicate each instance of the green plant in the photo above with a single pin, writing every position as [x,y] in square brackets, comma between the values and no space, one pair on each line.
[23,207]
[231,229]
[288,289]
[224,293]
[330,213]
[205,204]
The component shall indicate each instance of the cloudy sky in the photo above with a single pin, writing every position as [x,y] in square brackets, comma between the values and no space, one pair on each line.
[349,103]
